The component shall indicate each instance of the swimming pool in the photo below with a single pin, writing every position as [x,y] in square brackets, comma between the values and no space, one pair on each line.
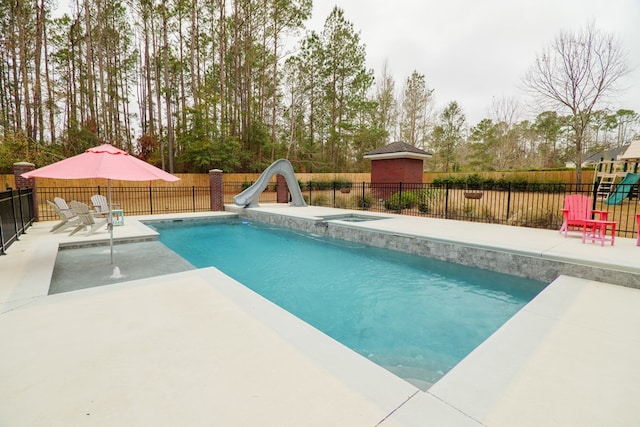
[416,317]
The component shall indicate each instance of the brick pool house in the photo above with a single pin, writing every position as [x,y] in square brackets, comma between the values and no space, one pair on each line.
[395,165]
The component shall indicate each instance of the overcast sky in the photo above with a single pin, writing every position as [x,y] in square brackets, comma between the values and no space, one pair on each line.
[472,51]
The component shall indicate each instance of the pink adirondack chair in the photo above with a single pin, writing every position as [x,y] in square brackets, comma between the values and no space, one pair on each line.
[577,209]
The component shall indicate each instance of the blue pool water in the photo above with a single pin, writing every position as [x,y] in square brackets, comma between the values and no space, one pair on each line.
[415,316]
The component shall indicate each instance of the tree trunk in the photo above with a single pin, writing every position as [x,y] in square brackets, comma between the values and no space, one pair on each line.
[22,45]
[194,51]
[38,119]
[274,101]
[167,85]
[89,92]
[222,39]
[148,100]
[158,92]
[183,97]
[50,90]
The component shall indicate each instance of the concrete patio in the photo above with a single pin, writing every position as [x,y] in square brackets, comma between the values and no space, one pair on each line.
[194,347]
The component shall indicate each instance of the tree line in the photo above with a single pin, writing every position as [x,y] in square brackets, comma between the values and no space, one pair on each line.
[190,85]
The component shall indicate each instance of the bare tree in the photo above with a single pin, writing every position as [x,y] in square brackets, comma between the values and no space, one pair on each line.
[505,109]
[576,72]
[415,108]
[387,103]
[509,149]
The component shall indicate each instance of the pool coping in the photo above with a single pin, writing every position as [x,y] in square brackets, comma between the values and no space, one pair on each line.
[502,378]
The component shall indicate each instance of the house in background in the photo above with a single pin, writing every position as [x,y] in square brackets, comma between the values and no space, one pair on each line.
[593,159]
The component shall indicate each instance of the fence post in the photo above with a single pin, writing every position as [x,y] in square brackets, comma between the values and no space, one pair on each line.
[594,196]
[23,227]
[506,220]
[446,200]
[24,167]
[216,192]
[333,185]
[363,202]
[150,199]
[2,252]
[14,214]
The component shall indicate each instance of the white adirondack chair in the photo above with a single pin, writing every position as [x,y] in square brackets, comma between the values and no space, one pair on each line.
[87,220]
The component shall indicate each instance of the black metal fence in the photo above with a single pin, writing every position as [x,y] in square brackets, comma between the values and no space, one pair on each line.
[133,200]
[16,215]
[537,205]
[524,204]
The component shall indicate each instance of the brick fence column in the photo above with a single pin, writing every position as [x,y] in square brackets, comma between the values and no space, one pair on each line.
[22,183]
[283,189]
[216,190]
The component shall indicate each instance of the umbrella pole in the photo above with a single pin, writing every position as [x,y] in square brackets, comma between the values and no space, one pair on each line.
[110,225]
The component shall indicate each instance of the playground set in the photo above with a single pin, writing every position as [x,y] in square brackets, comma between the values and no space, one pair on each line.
[617,179]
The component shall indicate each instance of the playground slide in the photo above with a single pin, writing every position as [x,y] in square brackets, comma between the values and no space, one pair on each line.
[249,197]
[623,189]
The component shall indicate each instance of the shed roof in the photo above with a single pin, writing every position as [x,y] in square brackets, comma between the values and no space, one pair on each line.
[396,150]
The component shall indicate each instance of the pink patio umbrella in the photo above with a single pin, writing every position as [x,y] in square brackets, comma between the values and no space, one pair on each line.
[105,161]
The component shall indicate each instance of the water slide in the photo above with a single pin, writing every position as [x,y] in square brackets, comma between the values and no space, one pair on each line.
[623,189]
[249,197]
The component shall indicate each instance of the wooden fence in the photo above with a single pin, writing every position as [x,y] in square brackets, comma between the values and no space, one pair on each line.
[202,180]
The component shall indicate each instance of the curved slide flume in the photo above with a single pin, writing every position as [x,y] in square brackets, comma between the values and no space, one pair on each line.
[623,189]
[249,197]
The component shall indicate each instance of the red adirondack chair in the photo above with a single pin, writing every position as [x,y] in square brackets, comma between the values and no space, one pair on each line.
[577,209]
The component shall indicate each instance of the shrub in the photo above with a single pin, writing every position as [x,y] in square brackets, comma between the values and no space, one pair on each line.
[342,183]
[428,200]
[326,185]
[400,201]
[362,202]
[476,182]
[320,200]
[342,203]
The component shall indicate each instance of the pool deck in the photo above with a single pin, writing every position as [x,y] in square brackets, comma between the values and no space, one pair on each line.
[196,348]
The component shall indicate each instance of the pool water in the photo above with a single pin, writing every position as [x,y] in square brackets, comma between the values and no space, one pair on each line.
[416,317]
